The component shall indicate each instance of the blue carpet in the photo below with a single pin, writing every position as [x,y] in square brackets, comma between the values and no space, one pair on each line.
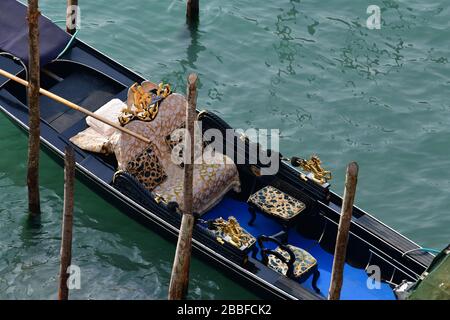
[354,286]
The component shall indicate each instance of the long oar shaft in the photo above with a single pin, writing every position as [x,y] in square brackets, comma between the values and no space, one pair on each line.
[74,106]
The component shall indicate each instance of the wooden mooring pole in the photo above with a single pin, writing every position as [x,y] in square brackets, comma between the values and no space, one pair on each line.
[192,11]
[67,223]
[340,252]
[34,205]
[179,281]
[72,16]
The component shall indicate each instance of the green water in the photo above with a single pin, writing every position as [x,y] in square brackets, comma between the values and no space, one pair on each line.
[309,68]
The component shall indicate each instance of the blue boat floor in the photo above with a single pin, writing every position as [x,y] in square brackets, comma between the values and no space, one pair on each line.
[355,280]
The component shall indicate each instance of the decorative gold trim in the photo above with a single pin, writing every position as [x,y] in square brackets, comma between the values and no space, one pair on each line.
[158,199]
[303,177]
[314,166]
[139,103]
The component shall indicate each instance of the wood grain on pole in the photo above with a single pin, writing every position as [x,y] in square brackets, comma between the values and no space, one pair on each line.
[340,252]
[189,145]
[34,205]
[74,106]
[71,16]
[67,223]
[179,281]
[192,10]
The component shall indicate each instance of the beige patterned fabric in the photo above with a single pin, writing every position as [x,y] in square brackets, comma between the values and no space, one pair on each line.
[175,142]
[171,114]
[211,181]
[91,140]
[110,111]
[96,137]
[276,203]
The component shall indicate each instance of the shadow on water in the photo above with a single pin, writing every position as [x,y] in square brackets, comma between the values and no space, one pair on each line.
[32,230]
[288,49]
[192,52]
[34,222]
[194,47]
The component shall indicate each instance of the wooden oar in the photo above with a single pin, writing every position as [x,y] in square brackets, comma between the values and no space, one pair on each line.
[74,106]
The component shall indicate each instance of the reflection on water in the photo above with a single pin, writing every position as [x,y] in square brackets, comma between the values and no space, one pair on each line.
[192,37]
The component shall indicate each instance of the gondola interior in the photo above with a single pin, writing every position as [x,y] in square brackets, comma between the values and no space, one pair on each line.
[312,232]
[90,79]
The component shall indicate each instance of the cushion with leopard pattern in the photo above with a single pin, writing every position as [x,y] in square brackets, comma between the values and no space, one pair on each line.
[276,203]
[146,168]
[304,261]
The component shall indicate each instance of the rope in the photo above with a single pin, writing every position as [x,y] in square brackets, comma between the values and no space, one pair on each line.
[70,41]
[68,44]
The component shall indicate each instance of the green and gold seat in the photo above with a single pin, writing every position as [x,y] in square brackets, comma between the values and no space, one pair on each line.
[290,261]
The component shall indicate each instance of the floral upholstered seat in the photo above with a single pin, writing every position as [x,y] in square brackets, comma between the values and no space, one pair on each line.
[303,263]
[290,261]
[213,178]
[211,183]
[276,203]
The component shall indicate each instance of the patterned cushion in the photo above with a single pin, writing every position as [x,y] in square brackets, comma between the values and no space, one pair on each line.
[276,203]
[304,261]
[91,140]
[171,113]
[175,140]
[211,183]
[110,111]
[147,169]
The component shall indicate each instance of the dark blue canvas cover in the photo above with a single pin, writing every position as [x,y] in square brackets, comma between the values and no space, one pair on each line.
[14,33]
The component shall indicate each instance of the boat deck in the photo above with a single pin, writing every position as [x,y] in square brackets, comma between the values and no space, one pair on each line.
[355,279]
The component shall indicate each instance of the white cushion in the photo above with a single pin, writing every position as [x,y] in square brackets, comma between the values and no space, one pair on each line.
[93,141]
[110,111]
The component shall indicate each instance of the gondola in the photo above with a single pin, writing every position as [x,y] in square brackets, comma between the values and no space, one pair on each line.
[265,263]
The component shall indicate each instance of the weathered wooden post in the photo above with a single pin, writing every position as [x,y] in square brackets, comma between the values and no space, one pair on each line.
[67,223]
[192,11]
[72,16]
[351,180]
[179,281]
[34,205]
